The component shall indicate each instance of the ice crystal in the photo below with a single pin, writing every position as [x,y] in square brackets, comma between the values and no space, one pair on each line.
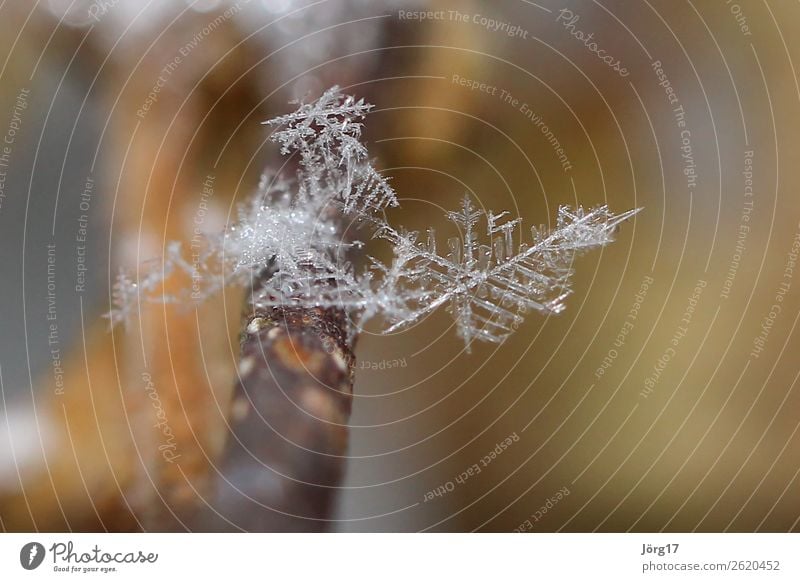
[488,278]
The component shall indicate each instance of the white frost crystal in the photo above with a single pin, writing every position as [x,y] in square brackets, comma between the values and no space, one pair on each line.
[294,228]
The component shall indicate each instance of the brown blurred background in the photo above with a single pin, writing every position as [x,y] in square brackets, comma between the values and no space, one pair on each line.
[664,398]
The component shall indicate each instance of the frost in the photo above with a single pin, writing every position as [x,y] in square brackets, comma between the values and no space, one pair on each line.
[488,278]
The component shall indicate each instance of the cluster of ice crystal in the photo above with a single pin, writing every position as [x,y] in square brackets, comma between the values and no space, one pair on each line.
[289,238]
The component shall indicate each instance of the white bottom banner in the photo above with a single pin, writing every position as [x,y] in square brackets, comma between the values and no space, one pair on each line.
[354,557]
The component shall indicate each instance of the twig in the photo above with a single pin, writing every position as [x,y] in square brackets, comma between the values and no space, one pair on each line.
[285,455]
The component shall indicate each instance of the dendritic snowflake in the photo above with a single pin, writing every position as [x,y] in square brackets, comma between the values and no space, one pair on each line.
[294,227]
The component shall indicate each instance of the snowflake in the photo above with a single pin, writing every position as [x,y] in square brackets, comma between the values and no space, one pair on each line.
[294,229]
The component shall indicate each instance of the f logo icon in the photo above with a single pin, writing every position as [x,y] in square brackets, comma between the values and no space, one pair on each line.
[31,555]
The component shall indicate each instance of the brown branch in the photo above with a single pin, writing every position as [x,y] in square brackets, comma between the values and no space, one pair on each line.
[284,458]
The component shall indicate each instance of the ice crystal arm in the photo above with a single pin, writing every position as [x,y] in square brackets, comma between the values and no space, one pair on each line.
[489,287]
[334,162]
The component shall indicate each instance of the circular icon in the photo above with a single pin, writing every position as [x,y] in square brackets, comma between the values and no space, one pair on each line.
[31,555]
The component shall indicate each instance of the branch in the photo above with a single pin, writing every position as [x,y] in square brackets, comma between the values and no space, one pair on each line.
[284,459]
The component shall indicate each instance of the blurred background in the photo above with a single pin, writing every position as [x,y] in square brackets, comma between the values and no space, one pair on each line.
[664,398]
